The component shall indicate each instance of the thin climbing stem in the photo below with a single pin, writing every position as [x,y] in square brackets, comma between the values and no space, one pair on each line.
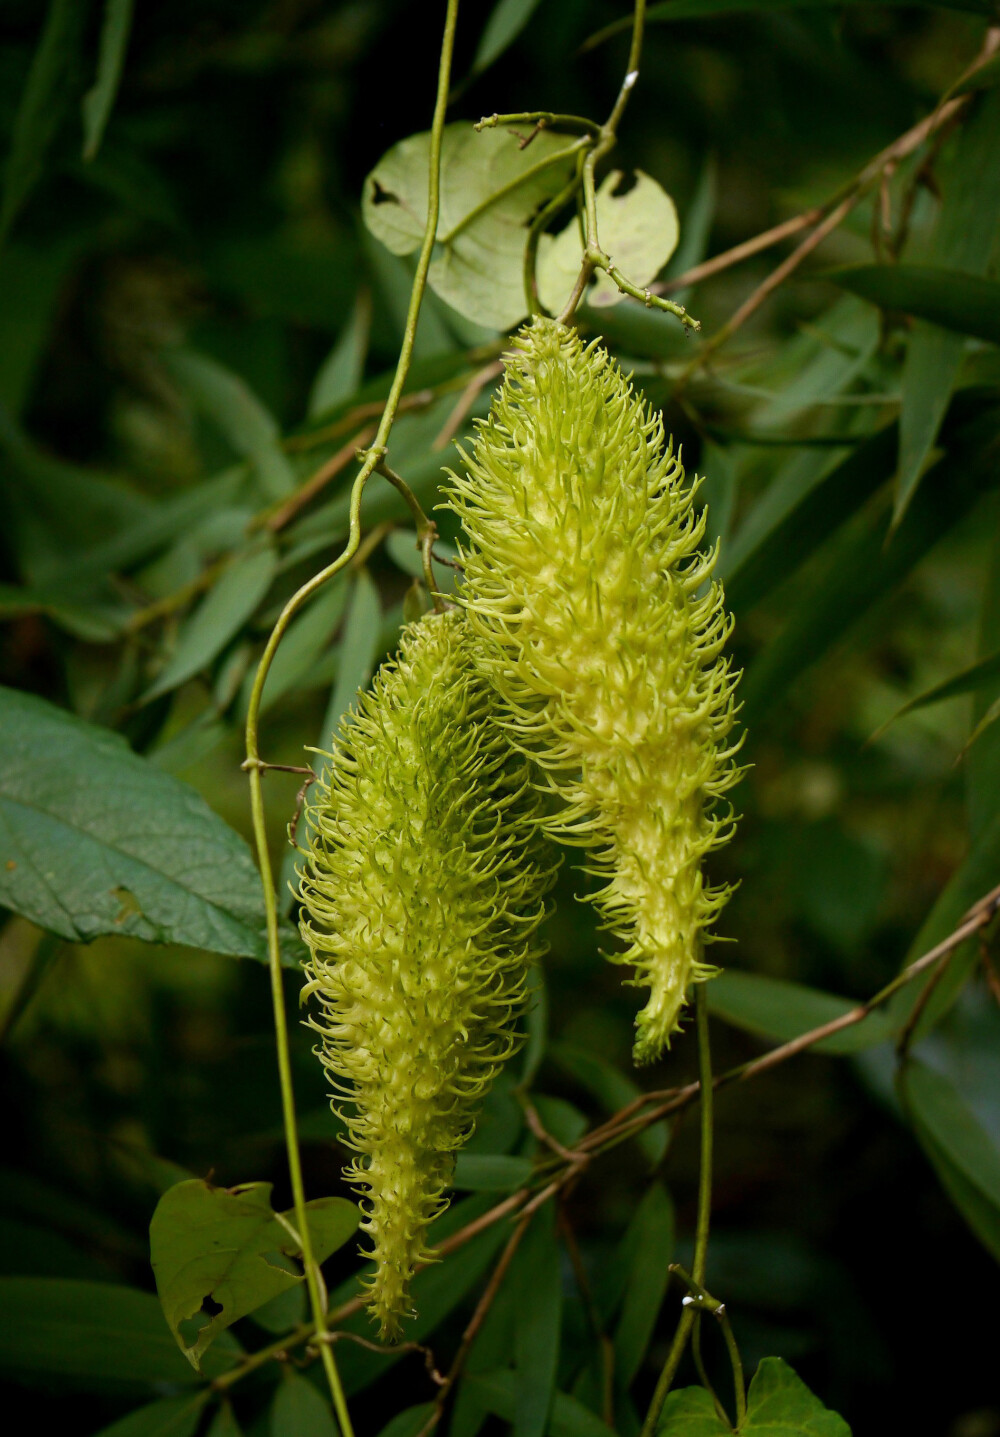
[253,764]
[594,257]
[689,1312]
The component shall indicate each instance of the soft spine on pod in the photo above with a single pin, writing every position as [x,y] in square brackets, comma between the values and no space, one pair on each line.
[598,624]
[421,899]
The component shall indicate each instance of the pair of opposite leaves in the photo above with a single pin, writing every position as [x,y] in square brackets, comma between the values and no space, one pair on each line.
[578,692]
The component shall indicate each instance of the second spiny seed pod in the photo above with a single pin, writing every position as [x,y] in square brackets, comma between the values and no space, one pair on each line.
[421,899]
[599,626]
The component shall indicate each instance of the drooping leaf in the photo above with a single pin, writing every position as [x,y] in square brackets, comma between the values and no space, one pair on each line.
[98,1334]
[340,373]
[650,1247]
[507,19]
[169,1417]
[229,403]
[99,100]
[779,1404]
[777,1009]
[964,303]
[489,189]
[537,1283]
[637,228]
[966,1160]
[300,1410]
[97,840]
[220,1253]
[41,107]
[218,618]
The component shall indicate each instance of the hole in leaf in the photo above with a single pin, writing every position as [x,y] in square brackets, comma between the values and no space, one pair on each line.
[210,1306]
[129,905]
[381,196]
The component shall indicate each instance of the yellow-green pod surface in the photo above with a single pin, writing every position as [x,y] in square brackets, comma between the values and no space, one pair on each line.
[421,900]
[599,626]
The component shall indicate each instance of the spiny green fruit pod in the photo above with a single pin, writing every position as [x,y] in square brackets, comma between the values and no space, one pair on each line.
[421,899]
[599,625]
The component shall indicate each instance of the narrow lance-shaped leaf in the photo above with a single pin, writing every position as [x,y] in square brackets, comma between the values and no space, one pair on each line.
[967,681]
[966,1160]
[228,402]
[98,101]
[963,240]
[507,19]
[41,107]
[964,303]
[218,618]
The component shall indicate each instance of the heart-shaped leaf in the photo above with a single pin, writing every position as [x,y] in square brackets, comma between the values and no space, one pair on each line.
[220,1253]
[491,188]
[637,228]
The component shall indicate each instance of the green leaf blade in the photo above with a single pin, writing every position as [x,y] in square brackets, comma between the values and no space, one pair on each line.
[223,1253]
[96,840]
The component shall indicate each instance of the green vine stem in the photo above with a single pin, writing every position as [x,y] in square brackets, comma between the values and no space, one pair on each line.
[255,767]
[594,257]
[690,1311]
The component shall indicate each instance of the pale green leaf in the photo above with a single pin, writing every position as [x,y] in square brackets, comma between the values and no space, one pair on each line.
[220,1253]
[490,188]
[637,228]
